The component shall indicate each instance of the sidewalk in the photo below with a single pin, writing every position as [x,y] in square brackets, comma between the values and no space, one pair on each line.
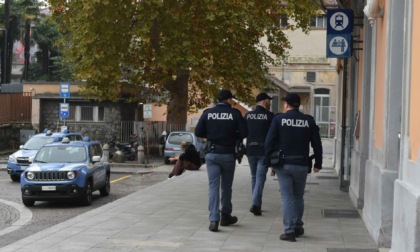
[173,216]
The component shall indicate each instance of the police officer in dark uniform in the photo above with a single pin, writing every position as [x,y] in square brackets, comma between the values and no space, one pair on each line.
[292,132]
[258,121]
[223,126]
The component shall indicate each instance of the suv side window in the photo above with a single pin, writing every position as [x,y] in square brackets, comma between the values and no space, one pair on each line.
[75,138]
[95,150]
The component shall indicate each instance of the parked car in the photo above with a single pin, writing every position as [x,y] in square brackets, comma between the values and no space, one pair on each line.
[21,159]
[173,144]
[66,171]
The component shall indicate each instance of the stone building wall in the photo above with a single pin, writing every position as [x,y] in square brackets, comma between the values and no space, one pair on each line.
[114,113]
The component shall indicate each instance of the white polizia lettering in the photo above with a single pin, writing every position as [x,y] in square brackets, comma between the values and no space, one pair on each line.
[294,123]
[219,116]
[256,117]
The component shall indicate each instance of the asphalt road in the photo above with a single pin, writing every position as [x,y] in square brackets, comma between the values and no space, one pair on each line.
[47,214]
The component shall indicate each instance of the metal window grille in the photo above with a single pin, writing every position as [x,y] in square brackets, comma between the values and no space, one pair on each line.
[86,113]
[310,76]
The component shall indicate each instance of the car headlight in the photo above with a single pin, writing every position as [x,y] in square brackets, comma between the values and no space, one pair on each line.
[12,159]
[71,175]
[30,175]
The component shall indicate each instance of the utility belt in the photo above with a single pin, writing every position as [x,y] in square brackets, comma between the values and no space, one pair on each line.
[255,144]
[279,158]
[218,149]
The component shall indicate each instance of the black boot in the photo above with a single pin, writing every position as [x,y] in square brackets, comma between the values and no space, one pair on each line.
[255,210]
[228,219]
[288,237]
[299,231]
[214,226]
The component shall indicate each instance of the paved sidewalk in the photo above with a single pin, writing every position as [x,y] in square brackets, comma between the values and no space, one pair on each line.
[173,216]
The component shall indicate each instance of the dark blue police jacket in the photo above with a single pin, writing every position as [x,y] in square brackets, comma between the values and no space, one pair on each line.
[292,132]
[258,121]
[222,125]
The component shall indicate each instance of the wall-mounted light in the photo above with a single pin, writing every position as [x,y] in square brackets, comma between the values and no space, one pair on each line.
[373,11]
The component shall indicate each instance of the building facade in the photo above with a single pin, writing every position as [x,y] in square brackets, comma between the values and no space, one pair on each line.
[378,146]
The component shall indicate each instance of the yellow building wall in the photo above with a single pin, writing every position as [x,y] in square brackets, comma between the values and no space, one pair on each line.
[46,88]
[414,116]
[379,107]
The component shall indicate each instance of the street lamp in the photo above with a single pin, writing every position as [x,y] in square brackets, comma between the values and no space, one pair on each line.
[3,75]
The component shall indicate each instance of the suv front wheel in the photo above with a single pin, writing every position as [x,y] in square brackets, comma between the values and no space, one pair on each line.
[86,198]
[28,202]
[15,178]
[107,187]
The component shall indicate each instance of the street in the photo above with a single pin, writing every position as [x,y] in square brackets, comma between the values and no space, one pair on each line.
[47,214]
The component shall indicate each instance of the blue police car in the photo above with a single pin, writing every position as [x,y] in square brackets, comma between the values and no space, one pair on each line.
[21,159]
[66,171]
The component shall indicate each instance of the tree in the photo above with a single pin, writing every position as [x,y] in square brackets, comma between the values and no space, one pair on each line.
[180,51]
[48,65]
[16,16]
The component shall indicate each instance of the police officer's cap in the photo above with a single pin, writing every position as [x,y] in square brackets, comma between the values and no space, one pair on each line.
[293,99]
[225,94]
[262,97]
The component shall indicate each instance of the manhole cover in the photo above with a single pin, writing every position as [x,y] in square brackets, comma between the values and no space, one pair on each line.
[326,177]
[340,213]
[351,250]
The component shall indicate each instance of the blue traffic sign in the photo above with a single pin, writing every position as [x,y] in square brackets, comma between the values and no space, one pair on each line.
[340,21]
[65,90]
[338,45]
[64,110]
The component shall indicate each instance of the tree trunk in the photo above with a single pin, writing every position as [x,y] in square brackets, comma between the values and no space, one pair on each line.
[27,49]
[178,104]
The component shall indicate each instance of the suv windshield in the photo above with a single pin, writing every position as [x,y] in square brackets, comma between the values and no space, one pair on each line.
[35,143]
[178,138]
[61,154]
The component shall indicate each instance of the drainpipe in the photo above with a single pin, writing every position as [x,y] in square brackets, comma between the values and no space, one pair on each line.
[344,184]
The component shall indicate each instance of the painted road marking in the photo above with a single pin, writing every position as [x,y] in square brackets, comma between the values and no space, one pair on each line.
[119,179]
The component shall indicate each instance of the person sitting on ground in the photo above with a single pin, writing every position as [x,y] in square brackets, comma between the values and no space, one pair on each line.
[188,160]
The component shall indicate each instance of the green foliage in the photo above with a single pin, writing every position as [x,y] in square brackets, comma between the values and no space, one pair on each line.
[146,45]
[48,65]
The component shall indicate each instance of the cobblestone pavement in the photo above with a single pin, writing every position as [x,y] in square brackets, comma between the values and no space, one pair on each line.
[8,215]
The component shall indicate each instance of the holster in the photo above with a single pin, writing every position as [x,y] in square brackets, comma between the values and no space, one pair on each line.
[277,158]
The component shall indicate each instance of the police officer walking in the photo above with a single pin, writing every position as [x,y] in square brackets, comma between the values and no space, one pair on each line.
[258,121]
[223,126]
[292,132]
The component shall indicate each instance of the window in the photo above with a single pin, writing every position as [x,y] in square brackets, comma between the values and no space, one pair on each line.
[319,22]
[310,77]
[95,150]
[275,104]
[86,113]
[324,114]
[74,137]
[284,22]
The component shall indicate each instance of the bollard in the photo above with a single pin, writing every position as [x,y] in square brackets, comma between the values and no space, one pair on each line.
[105,150]
[140,154]
[119,157]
